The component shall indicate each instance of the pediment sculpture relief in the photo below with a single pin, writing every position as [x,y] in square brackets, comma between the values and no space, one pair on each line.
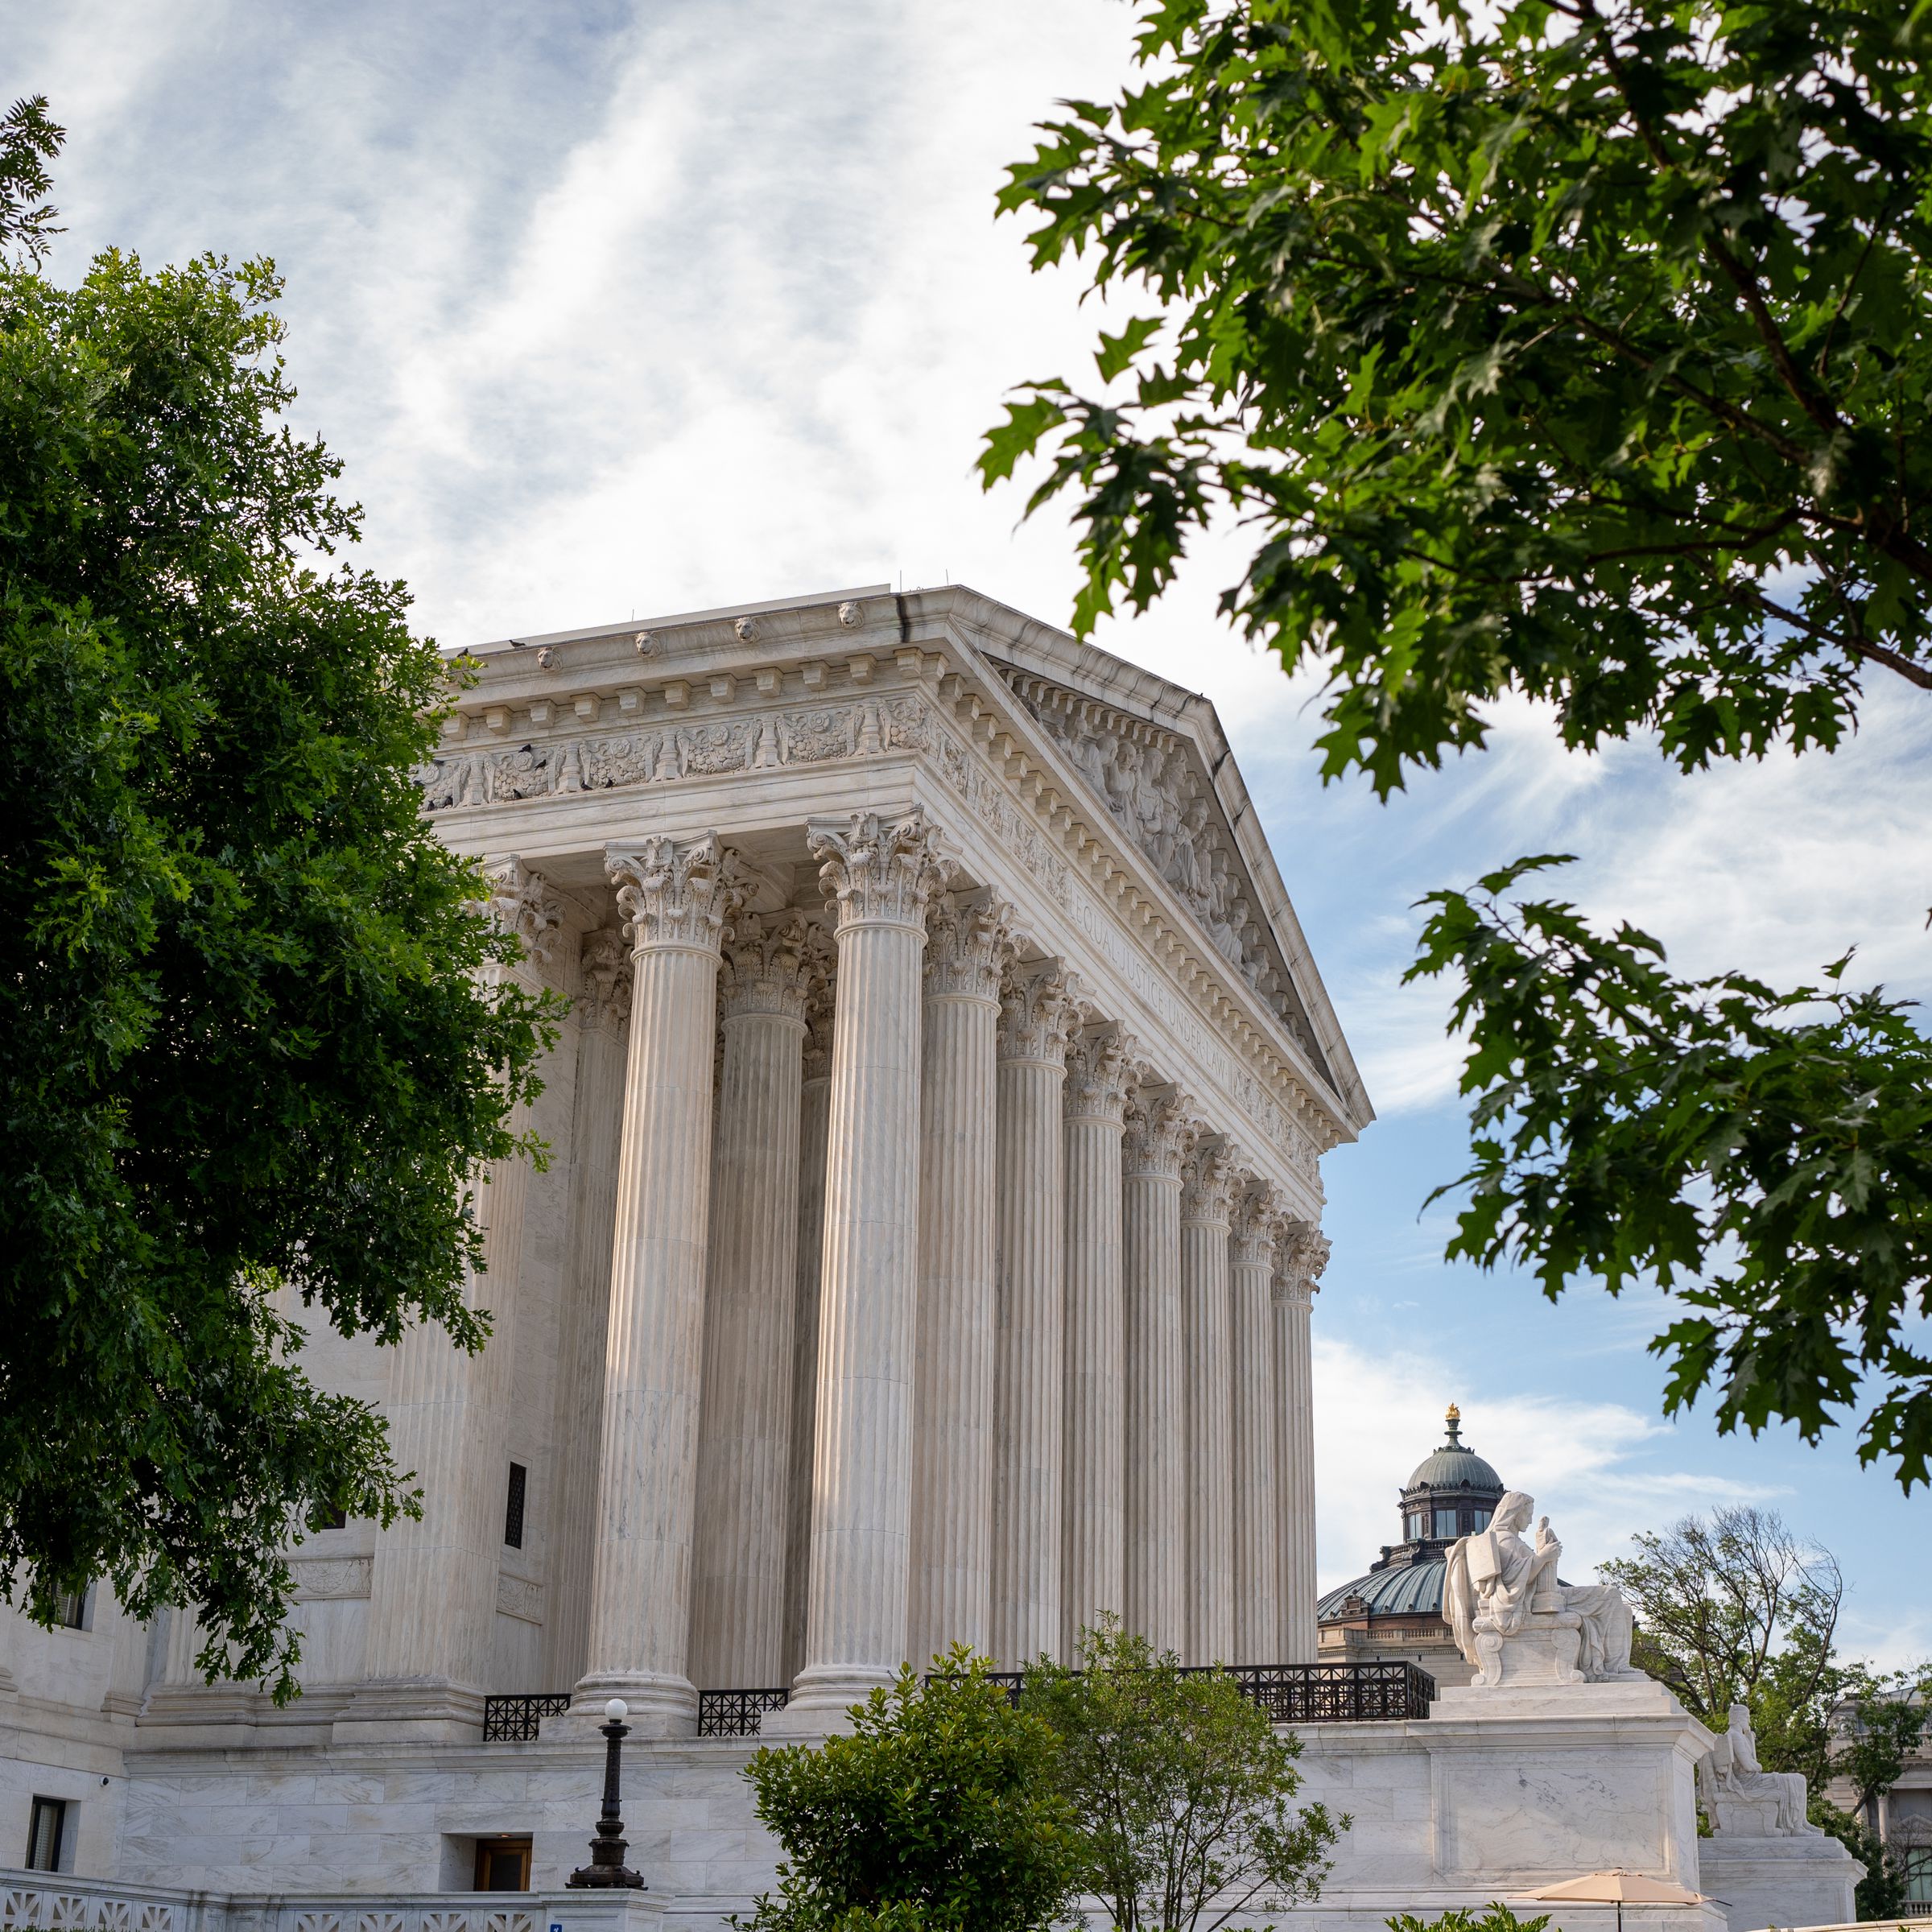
[1517,1623]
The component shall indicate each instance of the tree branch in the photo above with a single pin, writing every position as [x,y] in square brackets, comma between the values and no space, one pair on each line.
[1912,672]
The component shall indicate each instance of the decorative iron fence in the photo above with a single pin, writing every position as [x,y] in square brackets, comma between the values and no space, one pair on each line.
[736,1713]
[1314,1693]
[513,1720]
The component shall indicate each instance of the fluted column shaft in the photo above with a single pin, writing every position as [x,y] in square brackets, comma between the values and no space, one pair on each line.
[744,1442]
[1030,1394]
[814,1111]
[1205,1313]
[433,1590]
[1157,1137]
[882,875]
[603,1016]
[1302,1256]
[951,1586]
[678,897]
[1258,1634]
[1094,1468]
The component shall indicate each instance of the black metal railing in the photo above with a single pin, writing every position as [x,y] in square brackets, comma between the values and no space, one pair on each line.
[1314,1693]
[513,1720]
[736,1713]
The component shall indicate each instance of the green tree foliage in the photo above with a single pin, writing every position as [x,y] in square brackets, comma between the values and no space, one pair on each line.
[1183,1789]
[28,141]
[1497,1918]
[1737,1608]
[1577,349]
[254,1043]
[941,1812]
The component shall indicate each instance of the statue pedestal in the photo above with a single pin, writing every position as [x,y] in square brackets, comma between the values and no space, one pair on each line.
[1544,1652]
[1807,1881]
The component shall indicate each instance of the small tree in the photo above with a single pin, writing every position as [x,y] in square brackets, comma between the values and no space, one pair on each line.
[941,1812]
[1498,1918]
[1183,1789]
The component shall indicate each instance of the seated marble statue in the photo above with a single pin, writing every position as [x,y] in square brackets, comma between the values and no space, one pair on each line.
[1740,1797]
[1517,1623]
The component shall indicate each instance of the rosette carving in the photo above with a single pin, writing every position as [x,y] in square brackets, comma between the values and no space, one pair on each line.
[676,892]
[883,871]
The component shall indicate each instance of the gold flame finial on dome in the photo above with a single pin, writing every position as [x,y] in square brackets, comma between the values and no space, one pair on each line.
[1454,1420]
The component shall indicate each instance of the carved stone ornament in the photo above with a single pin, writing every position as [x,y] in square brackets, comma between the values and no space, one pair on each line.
[646,644]
[332,1576]
[765,967]
[1098,1075]
[1036,1013]
[1301,1255]
[878,871]
[1160,1133]
[849,614]
[606,975]
[676,892]
[1515,1623]
[520,902]
[1254,1221]
[1207,1181]
[967,941]
[1740,1798]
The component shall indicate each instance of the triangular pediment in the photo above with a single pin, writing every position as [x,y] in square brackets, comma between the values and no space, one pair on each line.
[1156,789]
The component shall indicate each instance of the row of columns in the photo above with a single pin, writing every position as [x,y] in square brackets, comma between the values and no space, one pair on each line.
[936,1321]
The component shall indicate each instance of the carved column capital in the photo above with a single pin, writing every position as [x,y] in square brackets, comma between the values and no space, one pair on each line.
[680,893]
[606,975]
[1100,1072]
[1036,1012]
[766,971]
[878,871]
[1207,1182]
[520,902]
[821,958]
[1160,1133]
[1254,1222]
[966,945]
[1300,1257]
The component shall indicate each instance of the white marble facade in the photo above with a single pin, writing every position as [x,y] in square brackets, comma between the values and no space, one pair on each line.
[927,1254]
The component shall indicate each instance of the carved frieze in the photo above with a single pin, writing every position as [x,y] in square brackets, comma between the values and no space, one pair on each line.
[324,1577]
[519,1597]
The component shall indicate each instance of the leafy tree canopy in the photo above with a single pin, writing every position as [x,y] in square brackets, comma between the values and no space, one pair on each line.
[1576,349]
[1183,1789]
[255,1036]
[941,1812]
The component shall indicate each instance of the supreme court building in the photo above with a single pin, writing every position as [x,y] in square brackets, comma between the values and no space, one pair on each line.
[925,1257]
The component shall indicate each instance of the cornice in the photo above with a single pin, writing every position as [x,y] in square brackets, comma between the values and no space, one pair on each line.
[842,681]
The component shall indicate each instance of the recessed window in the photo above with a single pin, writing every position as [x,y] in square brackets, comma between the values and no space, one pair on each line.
[70,1612]
[502,1864]
[46,1834]
[1445,1522]
[512,1523]
[1482,1519]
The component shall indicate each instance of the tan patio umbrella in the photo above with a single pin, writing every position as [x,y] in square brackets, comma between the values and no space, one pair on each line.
[1619,1888]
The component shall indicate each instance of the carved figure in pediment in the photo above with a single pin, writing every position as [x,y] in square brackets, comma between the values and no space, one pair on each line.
[1186,869]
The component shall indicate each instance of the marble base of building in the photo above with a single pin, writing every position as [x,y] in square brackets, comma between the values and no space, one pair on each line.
[1781,1881]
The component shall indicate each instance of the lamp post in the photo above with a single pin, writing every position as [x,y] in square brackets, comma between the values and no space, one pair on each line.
[607,1870]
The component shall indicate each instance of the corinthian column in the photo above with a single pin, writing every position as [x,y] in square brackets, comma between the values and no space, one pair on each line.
[814,1110]
[1257,1593]
[603,1016]
[1094,1479]
[1204,1191]
[678,897]
[1158,1137]
[1303,1255]
[433,1590]
[1029,1398]
[744,1442]
[952,1433]
[881,873]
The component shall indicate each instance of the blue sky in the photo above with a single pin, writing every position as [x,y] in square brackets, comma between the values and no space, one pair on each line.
[614,309]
